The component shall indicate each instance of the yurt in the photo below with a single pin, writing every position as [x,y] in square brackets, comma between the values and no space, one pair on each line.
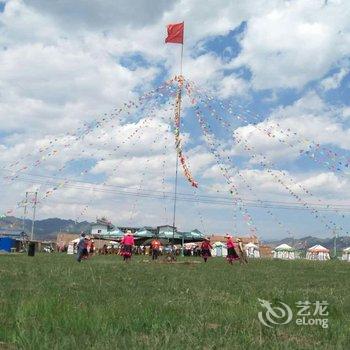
[346,254]
[317,252]
[72,246]
[219,249]
[284,251]
[252,250]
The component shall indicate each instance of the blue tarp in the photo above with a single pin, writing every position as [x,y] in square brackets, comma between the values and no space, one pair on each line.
[6,243]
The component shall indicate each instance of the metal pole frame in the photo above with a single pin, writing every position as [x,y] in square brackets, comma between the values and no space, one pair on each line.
[178,112]
[34,212]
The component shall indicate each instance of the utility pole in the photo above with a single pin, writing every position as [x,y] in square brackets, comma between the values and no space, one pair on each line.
[24,212]
[34,211]
[335,244]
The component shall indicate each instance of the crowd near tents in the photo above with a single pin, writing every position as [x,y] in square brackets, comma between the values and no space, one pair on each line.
[106,238]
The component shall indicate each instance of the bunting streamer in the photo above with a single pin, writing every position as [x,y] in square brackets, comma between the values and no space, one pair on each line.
[247,218]
[178,144]
[274,174]
[134,138]
[92,142]
[156,96]
[52,149]
[305,146]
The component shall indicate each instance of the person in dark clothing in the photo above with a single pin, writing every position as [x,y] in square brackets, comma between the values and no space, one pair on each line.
[81,247]
[205,248]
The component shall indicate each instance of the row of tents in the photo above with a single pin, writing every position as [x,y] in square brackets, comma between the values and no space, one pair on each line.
[316,252]
[220,249]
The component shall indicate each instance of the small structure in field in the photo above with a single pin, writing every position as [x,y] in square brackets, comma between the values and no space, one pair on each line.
[317,252]
[219,249]
[252,250]
[285,252]
[346,254]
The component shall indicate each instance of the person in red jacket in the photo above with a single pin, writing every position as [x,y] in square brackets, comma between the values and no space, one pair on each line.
[205,248]
[127,243]
[231,251]
[155,246]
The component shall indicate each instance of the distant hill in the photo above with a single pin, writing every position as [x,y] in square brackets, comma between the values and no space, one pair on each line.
[309,241]
[43,229]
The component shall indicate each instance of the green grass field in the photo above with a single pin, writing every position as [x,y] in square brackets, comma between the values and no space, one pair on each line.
[52,302]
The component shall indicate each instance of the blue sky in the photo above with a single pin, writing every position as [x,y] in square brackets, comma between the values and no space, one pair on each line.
[278,73]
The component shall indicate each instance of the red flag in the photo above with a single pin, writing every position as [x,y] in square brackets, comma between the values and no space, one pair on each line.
[175,33]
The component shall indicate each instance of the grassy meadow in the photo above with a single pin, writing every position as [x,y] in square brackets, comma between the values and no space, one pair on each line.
[52,302]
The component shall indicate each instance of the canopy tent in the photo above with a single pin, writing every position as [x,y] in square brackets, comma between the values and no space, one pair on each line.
[197,235]
[317,252]
[284,251]
[189,236]
[252,250]
[162,241]
[144,233]
[192,236]
[115,234]
[346,254]
[167,232]
[219,249]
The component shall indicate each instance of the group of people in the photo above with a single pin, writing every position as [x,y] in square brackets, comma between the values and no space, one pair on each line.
[85,247]
[235,250]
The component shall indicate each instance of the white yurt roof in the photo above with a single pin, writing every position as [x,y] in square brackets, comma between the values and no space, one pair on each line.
[318,247]
[346,250]
[251,245]
[284,247]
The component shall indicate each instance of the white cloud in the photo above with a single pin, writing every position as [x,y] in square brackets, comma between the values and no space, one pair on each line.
[335,80]
[295,42]
[309,117]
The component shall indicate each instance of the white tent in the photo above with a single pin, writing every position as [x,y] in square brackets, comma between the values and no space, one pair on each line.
[317,252]
[72,246]
[219,249]
[284,251]
[346,254]
[252,250]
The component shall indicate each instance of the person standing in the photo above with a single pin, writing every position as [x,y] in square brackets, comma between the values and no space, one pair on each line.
[92,247]
[231,251]
[241,253]
[127,243]
[155,246]
[81,247]
[205,249]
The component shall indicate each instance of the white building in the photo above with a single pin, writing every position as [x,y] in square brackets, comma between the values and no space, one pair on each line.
[346,254]
[99,229]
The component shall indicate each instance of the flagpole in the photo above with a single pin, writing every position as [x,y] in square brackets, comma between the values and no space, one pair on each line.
[182,53]
[178,112]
